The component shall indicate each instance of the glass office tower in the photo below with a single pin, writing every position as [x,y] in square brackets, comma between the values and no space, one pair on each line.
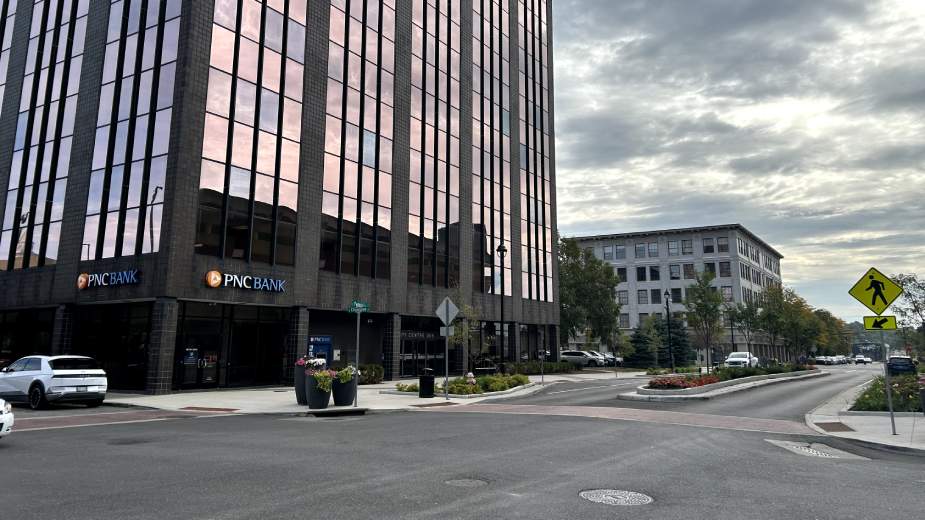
[196,190]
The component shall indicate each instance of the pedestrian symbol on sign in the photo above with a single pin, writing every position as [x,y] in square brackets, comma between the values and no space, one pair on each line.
[876,286]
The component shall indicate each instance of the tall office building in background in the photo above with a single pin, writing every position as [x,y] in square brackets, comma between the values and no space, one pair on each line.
[196,190]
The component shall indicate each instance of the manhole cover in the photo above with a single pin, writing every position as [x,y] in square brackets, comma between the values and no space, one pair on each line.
[616,497]
[466,482]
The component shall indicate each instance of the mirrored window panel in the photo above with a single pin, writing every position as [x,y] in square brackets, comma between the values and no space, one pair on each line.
[44,130]
[248,188]
[356,220]
[433,232]
[7,21]
[535,142]
[127,182]
[491,147]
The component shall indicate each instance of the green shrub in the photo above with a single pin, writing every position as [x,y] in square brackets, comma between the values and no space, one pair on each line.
[411,387]
[461,387]
[533,367]
[371,374]
[905,396]
[520,379]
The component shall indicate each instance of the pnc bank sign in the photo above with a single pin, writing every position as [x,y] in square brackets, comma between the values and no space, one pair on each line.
[216,279]
[110,279]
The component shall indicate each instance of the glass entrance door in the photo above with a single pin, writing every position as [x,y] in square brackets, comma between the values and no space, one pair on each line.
[199,367]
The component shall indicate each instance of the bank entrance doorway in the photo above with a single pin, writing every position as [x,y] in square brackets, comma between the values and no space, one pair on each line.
[230,345]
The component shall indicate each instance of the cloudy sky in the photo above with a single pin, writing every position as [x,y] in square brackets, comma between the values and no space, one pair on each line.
[803,120]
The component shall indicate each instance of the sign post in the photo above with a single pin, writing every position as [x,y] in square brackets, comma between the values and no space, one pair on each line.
[357,307]
[447,312]
[877,292]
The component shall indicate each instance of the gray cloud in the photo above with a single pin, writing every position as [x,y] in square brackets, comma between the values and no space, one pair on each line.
[801,120]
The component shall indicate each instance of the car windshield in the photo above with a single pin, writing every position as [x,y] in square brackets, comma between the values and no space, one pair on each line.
[738,355]
[74,364]
[900,361]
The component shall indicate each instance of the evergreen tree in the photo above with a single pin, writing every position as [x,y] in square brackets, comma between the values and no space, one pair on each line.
[646,343]
[680,344]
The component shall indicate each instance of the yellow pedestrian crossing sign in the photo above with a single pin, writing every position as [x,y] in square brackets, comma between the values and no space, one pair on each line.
[880,322]
[876,291]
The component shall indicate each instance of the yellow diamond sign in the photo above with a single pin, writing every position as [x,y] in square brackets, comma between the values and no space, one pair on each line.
[876,291]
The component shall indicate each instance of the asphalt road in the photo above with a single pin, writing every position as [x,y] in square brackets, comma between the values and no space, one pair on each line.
[396,465]
[789,401]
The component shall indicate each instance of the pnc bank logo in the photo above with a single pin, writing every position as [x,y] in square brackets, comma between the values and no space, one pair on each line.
[113,278]
[214,279]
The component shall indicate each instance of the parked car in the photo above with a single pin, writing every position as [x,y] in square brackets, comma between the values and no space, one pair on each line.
[579,357]
[860,359]
[741,359]
[601,358]
[40,380]
[841,360]
[612,360]
[6,418]
[899,365]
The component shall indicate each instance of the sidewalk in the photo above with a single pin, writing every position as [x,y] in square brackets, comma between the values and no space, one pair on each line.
[281,400]
[831,418]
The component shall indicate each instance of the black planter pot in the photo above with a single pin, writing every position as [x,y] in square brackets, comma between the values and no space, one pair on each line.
[344,393]
[301,397]
[317,399]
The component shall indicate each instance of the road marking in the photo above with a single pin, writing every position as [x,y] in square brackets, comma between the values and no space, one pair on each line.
[723,422]
[86,425]
[586,388]
[73,415]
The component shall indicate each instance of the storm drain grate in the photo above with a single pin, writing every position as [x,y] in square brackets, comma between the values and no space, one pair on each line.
[815,450]
[615,497]
[467,482]
[834,426]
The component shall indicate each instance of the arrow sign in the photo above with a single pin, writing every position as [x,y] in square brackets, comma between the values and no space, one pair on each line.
[447,311]
[880,322]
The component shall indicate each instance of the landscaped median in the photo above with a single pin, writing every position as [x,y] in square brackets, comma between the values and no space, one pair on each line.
[469,387]
[723,381]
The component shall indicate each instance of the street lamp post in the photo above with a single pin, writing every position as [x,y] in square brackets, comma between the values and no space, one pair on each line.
[502,252]
[668,317]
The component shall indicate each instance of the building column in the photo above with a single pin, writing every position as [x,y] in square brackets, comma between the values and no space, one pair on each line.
[163,341]
[296,342]
[391,348]
[516,343]
[62,330]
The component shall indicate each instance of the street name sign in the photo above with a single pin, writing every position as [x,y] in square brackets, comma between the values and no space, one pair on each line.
[880,322]
[447,311]
[876,291]
[357,307]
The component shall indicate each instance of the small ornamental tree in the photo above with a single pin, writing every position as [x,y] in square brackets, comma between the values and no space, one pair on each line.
[704,310]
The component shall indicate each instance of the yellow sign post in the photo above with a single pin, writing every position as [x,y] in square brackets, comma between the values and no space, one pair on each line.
[876,291]
[880,322]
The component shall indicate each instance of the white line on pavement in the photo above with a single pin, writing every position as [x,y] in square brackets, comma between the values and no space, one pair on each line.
[585,388]
[77,415]
[85,425]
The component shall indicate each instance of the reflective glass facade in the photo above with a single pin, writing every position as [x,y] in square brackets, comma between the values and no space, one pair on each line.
[248,190]
[126,196]
[44,130]
[491,146]
[535,143]
[356,218]
[433,221]
[7,21]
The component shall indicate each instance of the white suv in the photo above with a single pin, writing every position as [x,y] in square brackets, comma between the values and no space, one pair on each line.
[39,380]
[6,418]
[741,359]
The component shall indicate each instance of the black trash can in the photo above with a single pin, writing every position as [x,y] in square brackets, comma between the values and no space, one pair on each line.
[426,383]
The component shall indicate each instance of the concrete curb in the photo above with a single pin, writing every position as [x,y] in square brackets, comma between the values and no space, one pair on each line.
[469,396]
[718,392]
[722,384]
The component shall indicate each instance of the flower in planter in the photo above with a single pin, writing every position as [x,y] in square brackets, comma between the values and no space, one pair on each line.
[323,378]
[302,361]
[347,374]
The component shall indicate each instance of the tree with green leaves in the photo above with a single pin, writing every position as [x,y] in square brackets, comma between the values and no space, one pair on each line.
[771,316]
[684,354]
[587,287]
[704,306]
[646,344]
[745,320]
[910,310]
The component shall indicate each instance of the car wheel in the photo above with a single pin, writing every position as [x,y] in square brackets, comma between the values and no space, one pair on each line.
[37,399]
[94,404]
